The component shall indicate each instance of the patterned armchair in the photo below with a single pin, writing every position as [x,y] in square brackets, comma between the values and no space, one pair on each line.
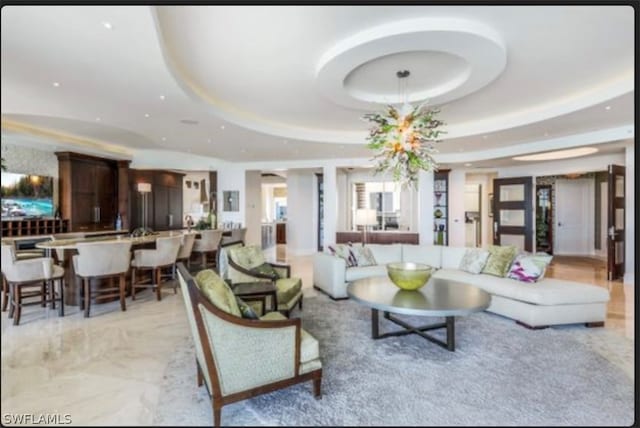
[247,264]
[240,358]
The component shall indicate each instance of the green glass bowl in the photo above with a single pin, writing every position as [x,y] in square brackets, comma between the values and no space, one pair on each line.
[409,276]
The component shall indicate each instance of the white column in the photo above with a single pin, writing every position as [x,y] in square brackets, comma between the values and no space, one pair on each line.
[629,210]
[253,205]
[456,208]
[330,205]
[301,235]
[425,207]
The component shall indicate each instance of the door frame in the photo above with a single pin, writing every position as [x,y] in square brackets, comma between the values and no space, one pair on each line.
[615,236]
[526,205]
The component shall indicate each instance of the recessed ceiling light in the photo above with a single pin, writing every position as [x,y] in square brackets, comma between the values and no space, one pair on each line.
[558,154]
[222,127]
[467,164]
[162,97]
[97,119]
[164,138]
[546,134]
[56,84]
[243,150]
[285,142]
[485,137]
[208,140]
[107,25]
[461,149]
[607,108]
[147,115]
[189,121]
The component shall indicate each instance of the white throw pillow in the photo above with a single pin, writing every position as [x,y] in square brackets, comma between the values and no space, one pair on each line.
[363,255]
[474,260]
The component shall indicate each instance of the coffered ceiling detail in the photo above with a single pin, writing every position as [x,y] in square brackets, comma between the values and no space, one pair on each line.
[250,83]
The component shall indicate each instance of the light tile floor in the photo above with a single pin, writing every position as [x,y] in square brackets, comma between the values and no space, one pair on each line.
[108,369]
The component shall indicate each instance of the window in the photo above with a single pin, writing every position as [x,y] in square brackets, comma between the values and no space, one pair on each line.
[385,198]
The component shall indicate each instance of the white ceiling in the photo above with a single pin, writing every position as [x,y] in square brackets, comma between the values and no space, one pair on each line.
[292,82]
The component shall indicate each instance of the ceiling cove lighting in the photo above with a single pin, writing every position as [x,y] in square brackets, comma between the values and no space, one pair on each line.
[558,154]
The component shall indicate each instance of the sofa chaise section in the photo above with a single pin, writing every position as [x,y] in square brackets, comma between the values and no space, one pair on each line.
[548,302]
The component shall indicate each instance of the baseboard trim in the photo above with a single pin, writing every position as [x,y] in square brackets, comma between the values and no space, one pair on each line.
[629,278]
[329,295]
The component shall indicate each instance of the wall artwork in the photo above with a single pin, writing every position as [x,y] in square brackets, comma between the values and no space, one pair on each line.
[231,200]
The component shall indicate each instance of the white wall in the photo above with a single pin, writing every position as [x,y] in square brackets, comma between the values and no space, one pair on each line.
[343,200]
[457,229]
[301,236]
[424,215]
[253,208]
[630,257]
[230,179]
[330,197]
[191,204]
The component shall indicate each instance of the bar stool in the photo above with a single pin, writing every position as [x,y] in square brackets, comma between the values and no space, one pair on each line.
[102,260]
[207,244]
[184,254]
[164,256]
[22,276]
[236,235]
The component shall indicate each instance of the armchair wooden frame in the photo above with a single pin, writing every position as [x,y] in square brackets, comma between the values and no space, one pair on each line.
[286,268]
[217,399]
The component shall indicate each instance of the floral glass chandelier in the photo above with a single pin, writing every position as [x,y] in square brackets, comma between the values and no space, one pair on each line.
[403,138]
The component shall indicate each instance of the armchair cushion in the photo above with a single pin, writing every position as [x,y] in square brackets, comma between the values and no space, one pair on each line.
[247,257]
[288,288]
[309,348]
[266,269]
[218,292]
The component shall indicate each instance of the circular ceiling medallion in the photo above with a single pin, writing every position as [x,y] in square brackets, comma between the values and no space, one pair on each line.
[448,59]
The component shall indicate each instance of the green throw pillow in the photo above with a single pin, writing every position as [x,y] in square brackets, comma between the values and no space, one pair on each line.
[500,258]
[246,310]
[266,269]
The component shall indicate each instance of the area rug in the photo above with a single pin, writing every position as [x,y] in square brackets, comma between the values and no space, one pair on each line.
[500,374]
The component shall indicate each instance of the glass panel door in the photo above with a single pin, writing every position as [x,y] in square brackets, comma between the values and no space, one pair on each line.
[513,208]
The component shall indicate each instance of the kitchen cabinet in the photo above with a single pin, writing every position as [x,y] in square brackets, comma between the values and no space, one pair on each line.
[281,233]
[164,202]
[89,192]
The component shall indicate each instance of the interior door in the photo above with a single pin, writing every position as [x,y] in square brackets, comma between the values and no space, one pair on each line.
[574,220]
[513,212]
[615,222]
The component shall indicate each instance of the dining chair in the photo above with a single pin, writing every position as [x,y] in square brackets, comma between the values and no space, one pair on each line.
[186,248]
[107,259]
[236,235]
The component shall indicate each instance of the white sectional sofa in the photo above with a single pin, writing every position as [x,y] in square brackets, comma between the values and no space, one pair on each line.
[547,302]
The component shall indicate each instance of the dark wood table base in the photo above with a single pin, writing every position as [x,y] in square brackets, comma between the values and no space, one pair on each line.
[449,325]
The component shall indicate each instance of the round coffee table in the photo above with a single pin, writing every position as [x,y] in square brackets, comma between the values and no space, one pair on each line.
[438,298]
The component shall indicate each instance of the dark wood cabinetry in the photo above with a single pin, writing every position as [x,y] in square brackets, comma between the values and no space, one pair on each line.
[164,202]
[281,233]
[41,226]
[89,191]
